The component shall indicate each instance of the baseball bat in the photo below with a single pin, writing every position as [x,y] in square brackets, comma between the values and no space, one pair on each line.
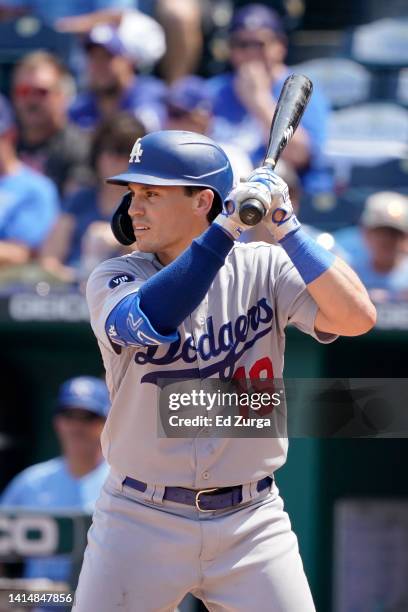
[293,99]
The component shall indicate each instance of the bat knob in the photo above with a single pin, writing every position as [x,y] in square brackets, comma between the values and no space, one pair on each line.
[251,211]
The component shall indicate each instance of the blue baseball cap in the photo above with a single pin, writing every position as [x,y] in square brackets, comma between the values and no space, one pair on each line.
[6,115]
[106,36]
[256,17]
[189,93]
[86,392]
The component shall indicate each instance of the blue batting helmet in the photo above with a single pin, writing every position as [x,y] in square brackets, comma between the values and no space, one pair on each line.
[172,157]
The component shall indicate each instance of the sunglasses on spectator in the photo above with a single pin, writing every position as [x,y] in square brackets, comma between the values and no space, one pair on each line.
[76,414]
[107,92]
[24,91]
[175,112]
[240,43]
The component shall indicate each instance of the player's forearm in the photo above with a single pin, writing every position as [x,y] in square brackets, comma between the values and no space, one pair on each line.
[12,253]
[84,23]
[344,305]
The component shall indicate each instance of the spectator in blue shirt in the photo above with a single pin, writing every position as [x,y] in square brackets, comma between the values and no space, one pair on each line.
[73,480]
[189,107]
[113,84]
[28,201]
[376,248]
[245,99]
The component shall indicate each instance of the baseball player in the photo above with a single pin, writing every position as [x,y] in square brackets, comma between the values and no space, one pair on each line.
[201,515]
[72,480]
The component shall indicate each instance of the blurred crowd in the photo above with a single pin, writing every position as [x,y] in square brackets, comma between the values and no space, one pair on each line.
[99,74]
[87,78]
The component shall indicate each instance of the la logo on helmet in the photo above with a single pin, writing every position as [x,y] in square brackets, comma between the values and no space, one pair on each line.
[136,153]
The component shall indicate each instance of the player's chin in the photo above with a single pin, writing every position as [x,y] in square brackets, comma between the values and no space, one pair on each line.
[144,245]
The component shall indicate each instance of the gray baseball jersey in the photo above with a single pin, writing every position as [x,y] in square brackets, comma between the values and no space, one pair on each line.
[239,324]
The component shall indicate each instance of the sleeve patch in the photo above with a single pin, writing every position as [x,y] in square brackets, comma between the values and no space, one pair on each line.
[113,336]
[120,279]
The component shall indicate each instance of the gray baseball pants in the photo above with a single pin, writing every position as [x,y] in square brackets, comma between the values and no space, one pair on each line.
[145,553]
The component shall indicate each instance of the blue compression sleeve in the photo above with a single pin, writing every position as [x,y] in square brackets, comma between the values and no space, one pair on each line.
[309,258]
[169,296]
[127,325]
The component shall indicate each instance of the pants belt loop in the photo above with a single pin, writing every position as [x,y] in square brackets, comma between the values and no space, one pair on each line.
[149,492]
[158,493]
[253,491]
[246,493]
[117,478]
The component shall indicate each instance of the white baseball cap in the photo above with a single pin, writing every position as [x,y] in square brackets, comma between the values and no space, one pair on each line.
[143,38]
[386,209]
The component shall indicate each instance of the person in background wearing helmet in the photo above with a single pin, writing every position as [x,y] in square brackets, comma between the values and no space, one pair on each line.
[183,511]
[74,479]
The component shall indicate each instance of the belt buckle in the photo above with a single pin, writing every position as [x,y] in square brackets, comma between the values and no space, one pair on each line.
[197,498]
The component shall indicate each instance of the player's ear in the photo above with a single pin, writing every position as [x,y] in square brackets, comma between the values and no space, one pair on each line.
[203,202]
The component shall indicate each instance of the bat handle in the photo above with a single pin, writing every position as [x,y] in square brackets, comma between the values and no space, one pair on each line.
[251,211]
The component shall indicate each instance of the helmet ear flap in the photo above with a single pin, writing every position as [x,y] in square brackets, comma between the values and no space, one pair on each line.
[121,223]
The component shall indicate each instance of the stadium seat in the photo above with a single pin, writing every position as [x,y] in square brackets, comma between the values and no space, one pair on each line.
[366,135]
[381,43]
[305,45]
[385,175]
[375,122]
[343,81]
[26,34]
[345,209]
[340,212]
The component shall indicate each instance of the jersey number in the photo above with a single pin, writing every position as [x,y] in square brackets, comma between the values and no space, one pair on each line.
[261,380]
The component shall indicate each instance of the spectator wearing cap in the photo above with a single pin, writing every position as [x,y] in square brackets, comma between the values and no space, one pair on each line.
[189,107]
[81,237]
[41,90]
[376,250]
[29,202]
[180,20]
[245,99]
[73,480]
[112,84]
